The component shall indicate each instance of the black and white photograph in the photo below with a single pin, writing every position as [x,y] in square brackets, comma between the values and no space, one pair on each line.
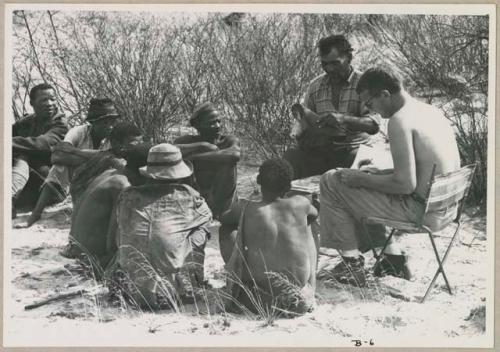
[272,175]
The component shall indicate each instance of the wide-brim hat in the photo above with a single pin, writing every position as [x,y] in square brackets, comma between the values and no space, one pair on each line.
[101,108]
[165,163]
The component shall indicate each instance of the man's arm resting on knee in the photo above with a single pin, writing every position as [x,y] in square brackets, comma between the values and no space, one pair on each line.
[43,142]
[231,154]
[190,149]
[65,153]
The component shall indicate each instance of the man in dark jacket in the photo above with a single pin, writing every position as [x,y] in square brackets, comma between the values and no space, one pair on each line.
[32,139]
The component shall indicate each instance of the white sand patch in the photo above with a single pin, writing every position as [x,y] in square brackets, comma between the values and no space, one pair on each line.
[343,313]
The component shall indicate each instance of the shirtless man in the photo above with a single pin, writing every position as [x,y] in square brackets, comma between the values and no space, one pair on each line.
[214,157]
[93,222]
[420,137]
[273,250]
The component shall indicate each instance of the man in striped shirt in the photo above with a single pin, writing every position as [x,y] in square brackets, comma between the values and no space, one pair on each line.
[333,97]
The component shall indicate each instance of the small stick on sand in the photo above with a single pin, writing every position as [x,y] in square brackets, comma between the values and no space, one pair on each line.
[55,298]
[64,295]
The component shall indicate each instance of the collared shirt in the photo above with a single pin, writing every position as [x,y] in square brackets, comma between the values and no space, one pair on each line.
[320,99]
[81,138]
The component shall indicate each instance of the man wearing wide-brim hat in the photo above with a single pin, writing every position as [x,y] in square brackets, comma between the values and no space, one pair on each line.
[214,156]
[165,164]
[80,144]
[163,224]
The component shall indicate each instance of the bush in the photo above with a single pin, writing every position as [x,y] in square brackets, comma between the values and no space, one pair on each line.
[253,66]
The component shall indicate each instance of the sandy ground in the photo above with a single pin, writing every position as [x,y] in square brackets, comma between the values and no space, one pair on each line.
[384,313]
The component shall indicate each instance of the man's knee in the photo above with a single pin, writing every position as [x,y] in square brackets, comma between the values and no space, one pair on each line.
[227,240]
[43,170]
[116,184]
[20,175]
[329,180]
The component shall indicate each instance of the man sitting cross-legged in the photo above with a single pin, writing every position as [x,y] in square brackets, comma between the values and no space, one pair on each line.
[214,157]
[32,139]
[419,137]
[162,230]
[268,246]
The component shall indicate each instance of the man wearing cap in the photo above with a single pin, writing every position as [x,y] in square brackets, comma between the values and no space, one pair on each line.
[32,139]
[80,144]
[162,224]
[333,99]
[94,188]
[214,157]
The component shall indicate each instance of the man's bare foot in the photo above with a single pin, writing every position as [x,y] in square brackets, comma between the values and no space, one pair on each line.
[28,223]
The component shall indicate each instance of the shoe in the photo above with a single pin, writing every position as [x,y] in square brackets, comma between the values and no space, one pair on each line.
[350,271]
[394,265]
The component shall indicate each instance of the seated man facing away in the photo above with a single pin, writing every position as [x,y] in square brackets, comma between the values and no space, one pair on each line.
[32,139]
[420,137]
[94,189]
[162,231]
[214,157]
[268,246]
[80,144]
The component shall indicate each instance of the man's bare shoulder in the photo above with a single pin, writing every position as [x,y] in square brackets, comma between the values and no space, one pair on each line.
[297,201]
[400,121]
[228,141]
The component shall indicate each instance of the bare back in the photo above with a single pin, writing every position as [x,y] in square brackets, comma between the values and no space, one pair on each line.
[279,239]
[433,141]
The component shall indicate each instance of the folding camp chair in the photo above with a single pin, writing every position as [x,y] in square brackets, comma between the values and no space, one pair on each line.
[446,192]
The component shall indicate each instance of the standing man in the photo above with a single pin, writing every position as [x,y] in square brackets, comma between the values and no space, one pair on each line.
[32,139]
[420,137]
[214,157]
[333,97]
[80,143]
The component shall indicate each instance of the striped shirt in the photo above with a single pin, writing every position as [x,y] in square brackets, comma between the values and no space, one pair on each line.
[320,98]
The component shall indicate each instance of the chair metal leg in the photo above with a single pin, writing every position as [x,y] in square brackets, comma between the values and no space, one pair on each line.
[455,236]
[379,257]
[365,230]
[441,262]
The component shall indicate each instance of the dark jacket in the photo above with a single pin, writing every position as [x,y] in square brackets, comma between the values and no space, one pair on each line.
[33,138]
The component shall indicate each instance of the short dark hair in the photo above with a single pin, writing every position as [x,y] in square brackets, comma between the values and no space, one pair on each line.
[338,42]
[376,79]
[122,131]
[201,111]
[39,87]
[275,175]
[137,155]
